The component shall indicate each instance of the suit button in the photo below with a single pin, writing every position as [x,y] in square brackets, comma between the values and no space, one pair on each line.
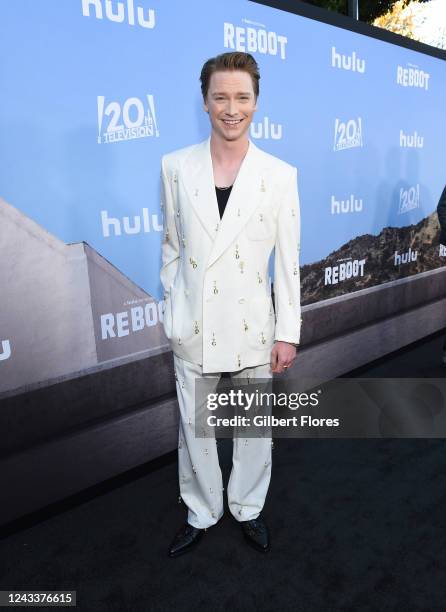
[241,301]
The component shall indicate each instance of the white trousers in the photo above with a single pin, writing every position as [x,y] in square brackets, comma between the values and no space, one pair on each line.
[200,477]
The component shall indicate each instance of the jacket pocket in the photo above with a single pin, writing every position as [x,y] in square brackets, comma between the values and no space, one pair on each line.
[183,327]
[260,225]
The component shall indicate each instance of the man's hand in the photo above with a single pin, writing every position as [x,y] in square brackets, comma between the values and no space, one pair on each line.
[283,355]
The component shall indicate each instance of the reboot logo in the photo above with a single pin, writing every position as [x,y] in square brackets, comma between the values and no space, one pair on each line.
[254,39]
[412,77]
[346,270]
[347,134]
[126,322]
[135,118]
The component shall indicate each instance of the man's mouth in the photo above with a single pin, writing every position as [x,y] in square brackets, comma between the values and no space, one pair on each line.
[232,121]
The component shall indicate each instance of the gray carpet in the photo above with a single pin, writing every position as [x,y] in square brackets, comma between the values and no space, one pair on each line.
[356,525]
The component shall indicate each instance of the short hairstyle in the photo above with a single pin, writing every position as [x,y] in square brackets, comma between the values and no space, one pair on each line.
[234,60]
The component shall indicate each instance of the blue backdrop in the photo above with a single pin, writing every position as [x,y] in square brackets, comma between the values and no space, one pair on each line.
[95,91]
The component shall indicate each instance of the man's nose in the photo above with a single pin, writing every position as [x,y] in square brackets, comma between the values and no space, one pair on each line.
[232,107]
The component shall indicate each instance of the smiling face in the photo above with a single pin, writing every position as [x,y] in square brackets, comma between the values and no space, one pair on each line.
[231,103]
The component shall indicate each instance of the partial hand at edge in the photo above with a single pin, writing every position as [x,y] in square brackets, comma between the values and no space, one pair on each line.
[283,356]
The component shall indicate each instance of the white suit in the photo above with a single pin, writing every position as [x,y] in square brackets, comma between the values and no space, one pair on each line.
[218,311]
[218,307]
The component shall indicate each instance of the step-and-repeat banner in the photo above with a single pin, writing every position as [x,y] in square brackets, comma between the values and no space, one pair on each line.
[94,92]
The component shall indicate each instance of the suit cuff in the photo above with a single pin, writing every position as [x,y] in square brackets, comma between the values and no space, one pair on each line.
[293,342]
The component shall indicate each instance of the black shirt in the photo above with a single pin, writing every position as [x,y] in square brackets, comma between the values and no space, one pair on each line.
[222,198]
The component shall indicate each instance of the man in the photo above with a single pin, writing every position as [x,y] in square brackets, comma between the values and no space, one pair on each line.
[441,211]
[219,314]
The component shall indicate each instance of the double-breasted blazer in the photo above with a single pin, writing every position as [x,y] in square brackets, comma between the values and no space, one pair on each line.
[218,310]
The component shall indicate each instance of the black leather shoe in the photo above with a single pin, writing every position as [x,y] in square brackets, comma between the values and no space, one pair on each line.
[187,537]
[256,533]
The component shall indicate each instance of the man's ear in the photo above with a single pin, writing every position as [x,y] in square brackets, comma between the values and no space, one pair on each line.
[205,106]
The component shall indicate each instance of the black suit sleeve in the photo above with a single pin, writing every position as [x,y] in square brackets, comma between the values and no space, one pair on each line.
[441,211]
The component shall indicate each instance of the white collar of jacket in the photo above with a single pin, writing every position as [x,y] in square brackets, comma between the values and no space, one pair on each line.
[247,193]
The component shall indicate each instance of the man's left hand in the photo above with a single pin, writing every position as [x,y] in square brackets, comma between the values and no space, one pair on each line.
[283,355]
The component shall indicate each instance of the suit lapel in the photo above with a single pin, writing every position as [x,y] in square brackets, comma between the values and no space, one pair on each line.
[198,180]
[247,193]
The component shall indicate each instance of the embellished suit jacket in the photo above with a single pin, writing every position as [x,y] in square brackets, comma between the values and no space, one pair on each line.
[218,310]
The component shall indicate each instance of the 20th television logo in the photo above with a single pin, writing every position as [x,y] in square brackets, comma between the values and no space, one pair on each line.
[134,118]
